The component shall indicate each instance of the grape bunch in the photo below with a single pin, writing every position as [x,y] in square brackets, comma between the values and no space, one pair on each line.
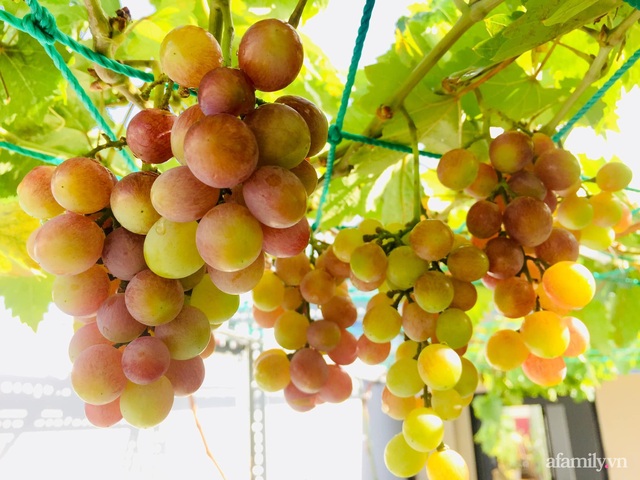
[152,263]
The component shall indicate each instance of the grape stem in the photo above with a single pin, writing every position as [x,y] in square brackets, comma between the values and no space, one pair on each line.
[415,151]
[215,20]
[228,32]
[296,15]
[119,144]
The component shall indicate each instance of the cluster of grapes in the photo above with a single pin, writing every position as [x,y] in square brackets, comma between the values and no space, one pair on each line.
[150,264]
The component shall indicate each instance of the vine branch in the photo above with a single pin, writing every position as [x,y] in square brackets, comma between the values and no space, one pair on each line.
[296,15]
[417,197]
[227,31]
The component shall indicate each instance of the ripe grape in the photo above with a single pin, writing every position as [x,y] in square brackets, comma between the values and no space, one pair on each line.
[457,169]
[82,185]
[575,212]
[613,177]
[317,286]
[382,323]
[131,202]
[597,238]
[511,151]
[468,263]
[423,429]
[83,338]
[545,334]
[293,269]
[528,220]
[398,407]
[34,193]
[229,237]
[68,244]
[418,324]
[340,310]
[298,400]
[268,294]
[179,196]
[372,353]
[217,305]
[290,330]
[346,351]
[447,403]
[447,465]
[266,319]
[187,335]
[579,337]
[546,372]
[557,168]
[506,257]
[97,376]
[240,281]
[81,294]
[285,54]
[271,370]
[308,370]
[485,183]
[607,209]
[369,262]
[526,184]
[332,264]
[115,322]
[145,406]
[468,379]
[145,360]
[407,349]
[484,219]
[439,366]
[338,386]
[226,90]
[561,245]
[402,460]
[307,175]
[186,376]
[180,127]
[153,300]
[465,294]
[103,416]
[454,328]
[514,297]
[323,335]
[431,240]
[542,143]
[569,284]
[170,249]
[282,134]
[187,53]
[221,150]
[345,242]
[315,119]
[286,242]
[275,196]
[433,291]
[123,254]
[149,135]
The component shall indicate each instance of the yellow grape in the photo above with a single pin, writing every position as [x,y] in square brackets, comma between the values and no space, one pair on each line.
[217,305]
[398,407]
[454,328]
[369,226]
[407,349]
[447,465]
[468,379]
[448,404]
[613,177]
[433,291]
[575,212]
[597,238]
[268,294]
[346,241]
[382,323]
[457,169]
[545,334]
[546,372]
[439,366]
[170,249]
[607,209]
[369,262]
[506,350]
[423,429]
[145,406]
[468,263]
[514,297]
[402,460]
[403,379]
[405,267]
[431,240]
[290,330]
[569,284]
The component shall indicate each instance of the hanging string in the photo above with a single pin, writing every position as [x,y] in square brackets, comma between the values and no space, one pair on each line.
[31,153]
[335,131]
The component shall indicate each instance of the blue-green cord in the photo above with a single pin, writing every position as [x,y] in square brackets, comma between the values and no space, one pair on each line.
[31,153]
[335,133]
[634,3]
[388,145]
[597,96]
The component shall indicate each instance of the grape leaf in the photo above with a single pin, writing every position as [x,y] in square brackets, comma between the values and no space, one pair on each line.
[31,81]
[28,298]
[392,195]
[15,228]
[624,315]
[568,9]
[595,316]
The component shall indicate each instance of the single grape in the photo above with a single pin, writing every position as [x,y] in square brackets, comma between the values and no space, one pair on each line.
[468,379]
[514,297]
[423,429]
[528,221]
[293,269]
[81,294]
[405,267]
[433,291]
[431,240]
[286,242]
[579,337]
[186,376]
[323,335]
[613,177]
[240,281]
[372,353]
[569,284]
[557,168]
[402,460]
[123,253]
[82,185]
[545,334]
[187,53]
[506,257]
[546,372]
[145,406]
[34,193]
[447,464]
[149,135]
[97,376]
[369,262]
[131,202]
[145,360]
[187,335]
[153,300]
[277,69]
[217,305]
[307,175]
[382,323]
[457,169]
[340,310]
[511,151]
[226,90]
[290,330]
[318,286]
[468,263]
[268,294]
[485,183]
[338,386]
[398,407]
[180,127]
[83,338]
[526,184]
[271,370]
[560,246]
[346,351]
[308,369]
[170,249]
[439,366]
[316,121]
[418,324]
[465,294]
[454,328]
[103,416]
[484,219]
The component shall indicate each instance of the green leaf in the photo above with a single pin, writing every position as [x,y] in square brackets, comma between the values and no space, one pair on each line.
[31,81]
[28,298]
[15,228]
[595,316]
[568,9]
[624,315]
[392,196]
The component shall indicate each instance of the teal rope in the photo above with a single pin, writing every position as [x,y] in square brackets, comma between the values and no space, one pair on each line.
[634,3]
[335,131]
[388,145]
[598,95]
[31,153]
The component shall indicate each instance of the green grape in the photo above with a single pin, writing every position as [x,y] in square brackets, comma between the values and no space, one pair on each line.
[170,249]
[468,379]
[433,291]
[382,323]
[607,209]
[447,404]
[511,151]
[423,429]
[468,263]
[218,306]
[575,212]
[271,370]
[290,330]
[187,335]
[405,267]
[402,460]
[269,292]
[454,328]
[369,262]
[407,349]
[145,406]
[597,238]
[439,366]
[403,379]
